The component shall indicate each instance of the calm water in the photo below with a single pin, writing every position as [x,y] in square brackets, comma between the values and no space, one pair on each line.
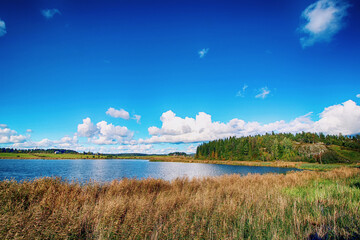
[107,170]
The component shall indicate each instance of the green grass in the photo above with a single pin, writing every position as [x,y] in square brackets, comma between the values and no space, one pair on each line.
[330,199]
[321,167]
[17,155]
[350,155]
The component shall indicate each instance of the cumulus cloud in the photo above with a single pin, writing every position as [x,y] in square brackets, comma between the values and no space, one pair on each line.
[201,128]
[29,131]
[358,95]
[343,118]
[263,92]
[50,13]
[103,133]
[203,52]
[2,28]
[324,19]
[118,113]
[241,92]
[87,128]
[8,135]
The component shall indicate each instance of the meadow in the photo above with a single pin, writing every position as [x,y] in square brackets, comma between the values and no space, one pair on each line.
[298,205]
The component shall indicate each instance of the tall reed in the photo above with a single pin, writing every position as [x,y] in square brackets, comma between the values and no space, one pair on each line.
[293,206]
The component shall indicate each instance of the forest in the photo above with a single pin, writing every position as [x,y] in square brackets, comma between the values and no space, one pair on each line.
[305,146]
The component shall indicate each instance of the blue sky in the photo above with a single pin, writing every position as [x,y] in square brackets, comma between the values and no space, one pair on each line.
[189,71]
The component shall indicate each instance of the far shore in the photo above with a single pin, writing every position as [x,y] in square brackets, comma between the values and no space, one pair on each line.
[162,158]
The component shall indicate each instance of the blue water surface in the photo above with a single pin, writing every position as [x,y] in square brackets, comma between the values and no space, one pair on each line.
[105,170]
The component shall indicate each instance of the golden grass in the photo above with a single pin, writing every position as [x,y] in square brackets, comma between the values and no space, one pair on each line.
[267,206]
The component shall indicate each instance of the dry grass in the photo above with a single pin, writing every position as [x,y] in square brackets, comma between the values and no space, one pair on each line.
[293,206]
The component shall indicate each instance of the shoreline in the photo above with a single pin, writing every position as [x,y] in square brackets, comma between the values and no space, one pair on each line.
[279,163]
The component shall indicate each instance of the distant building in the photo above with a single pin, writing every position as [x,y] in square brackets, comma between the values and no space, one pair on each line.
[57,152]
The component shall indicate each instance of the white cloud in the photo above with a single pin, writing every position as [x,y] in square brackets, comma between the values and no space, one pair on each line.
[2,28]
[241,92]
[50,13]
[324,19]
[343,118]
[137,118]
[8,135]
[176,130]
[29,131]
[263,92]
[118,113]
[110,134]
[103,133]
[87,128]
[65,143]
[358,95]
[203,52]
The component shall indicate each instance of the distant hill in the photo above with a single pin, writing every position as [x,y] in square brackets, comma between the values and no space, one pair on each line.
[308,147]
[178,154]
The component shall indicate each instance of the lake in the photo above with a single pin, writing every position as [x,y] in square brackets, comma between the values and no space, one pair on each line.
[105,170]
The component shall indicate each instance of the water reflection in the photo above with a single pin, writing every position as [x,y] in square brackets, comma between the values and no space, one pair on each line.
[105,170]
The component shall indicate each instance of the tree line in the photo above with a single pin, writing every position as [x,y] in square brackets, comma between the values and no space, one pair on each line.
[280,146]
[14,150]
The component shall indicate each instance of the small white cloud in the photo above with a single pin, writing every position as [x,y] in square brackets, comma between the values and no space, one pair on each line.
[324,19]
[358,95]
[2,28]
[50,13]
[137,118]
[118,113]
[241,92]
[263,92]
[29,131]
[203,52]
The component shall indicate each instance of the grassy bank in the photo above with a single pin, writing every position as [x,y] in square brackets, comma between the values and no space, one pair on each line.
[293,206]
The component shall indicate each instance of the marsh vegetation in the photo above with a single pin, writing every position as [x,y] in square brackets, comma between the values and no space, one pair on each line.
[297,205]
